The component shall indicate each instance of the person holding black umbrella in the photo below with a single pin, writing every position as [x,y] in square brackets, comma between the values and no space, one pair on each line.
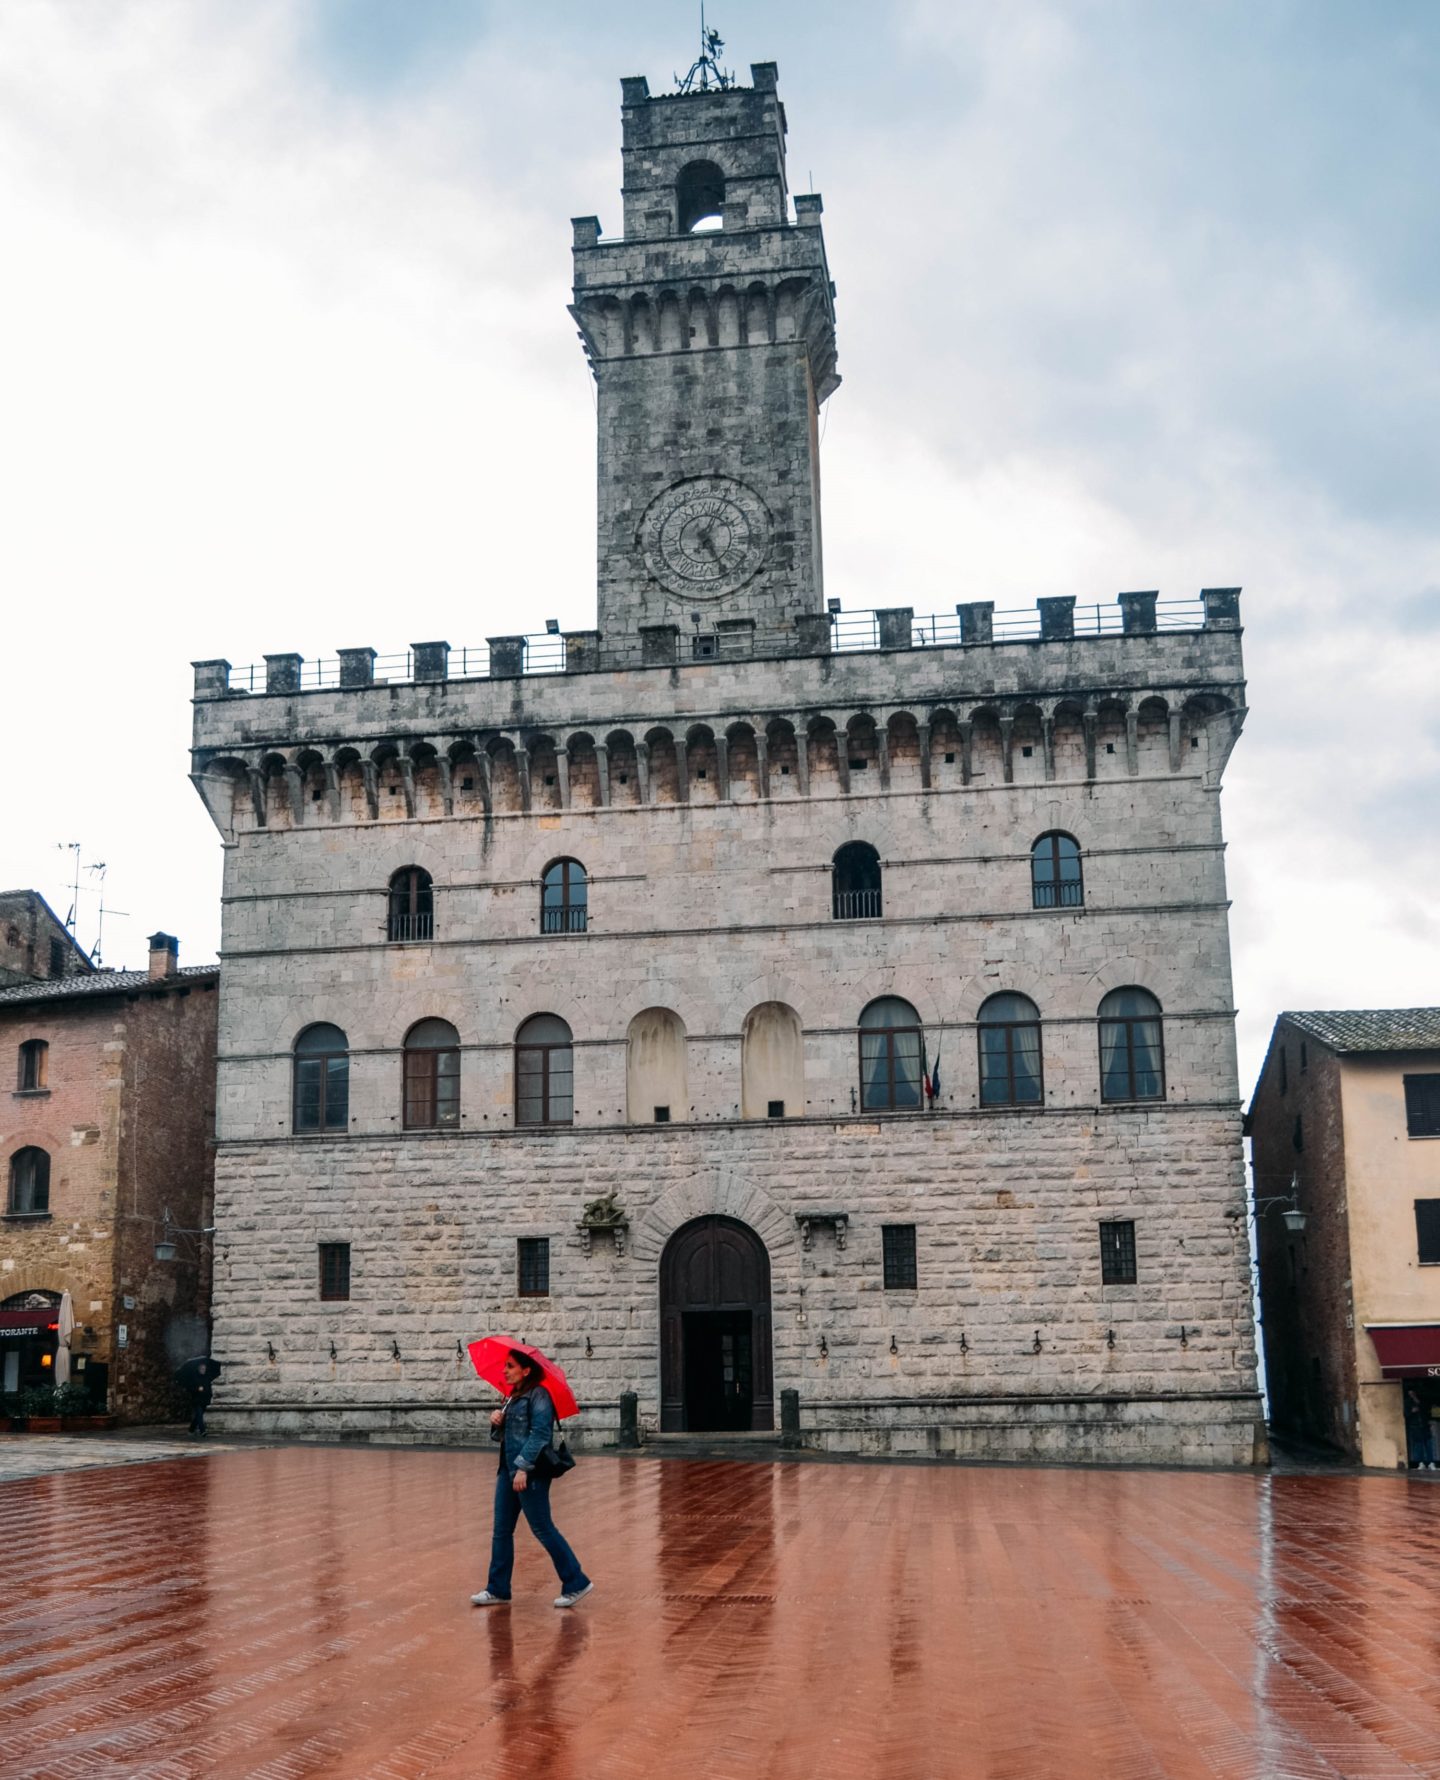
[197,1378]
[524,1429]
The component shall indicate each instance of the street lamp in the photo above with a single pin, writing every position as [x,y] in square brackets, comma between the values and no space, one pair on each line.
[165,1248]
[1295,1219]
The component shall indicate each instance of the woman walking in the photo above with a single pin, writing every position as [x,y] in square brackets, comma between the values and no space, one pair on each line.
[523,1428]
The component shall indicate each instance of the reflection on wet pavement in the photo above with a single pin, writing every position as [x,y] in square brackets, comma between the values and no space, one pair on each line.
[304,1611]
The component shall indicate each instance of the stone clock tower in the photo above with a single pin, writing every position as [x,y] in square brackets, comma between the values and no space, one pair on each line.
[710,328]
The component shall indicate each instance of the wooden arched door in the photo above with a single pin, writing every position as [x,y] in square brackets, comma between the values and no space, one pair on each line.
[715,1366]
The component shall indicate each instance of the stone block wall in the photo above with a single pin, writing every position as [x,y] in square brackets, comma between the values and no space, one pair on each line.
[1006,1207]
[709,894]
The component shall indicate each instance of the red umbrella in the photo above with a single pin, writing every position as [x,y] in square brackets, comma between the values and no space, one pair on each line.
[488,1356]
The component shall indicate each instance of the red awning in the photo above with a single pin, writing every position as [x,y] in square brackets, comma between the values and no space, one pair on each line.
[1407,1350]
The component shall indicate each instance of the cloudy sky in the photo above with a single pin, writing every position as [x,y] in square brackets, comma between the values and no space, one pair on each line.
[1130,295]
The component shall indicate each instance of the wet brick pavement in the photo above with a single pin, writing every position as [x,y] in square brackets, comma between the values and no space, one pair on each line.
[290,1612]
[39,1455]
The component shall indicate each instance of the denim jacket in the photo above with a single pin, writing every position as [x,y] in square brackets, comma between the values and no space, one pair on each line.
[527,1429]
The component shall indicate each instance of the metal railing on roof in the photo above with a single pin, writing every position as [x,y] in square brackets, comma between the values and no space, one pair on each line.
[861,630]
[850,632]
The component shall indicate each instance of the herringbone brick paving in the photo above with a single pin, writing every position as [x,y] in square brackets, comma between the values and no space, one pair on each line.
[297,1612]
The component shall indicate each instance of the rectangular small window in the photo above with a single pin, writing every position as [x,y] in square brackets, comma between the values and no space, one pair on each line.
[1117,1253]
[57,958]
[1422,1105]
[334,1271]
[532,1266]
[1304,1056]
[1284,1071]
[32,1065]
[775,1109]
[900,1270]
[1427,1230]
[662,1115]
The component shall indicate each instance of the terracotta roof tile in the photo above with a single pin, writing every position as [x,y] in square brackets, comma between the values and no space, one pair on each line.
[1373,1028]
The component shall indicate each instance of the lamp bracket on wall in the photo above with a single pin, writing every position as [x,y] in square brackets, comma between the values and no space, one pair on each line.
[839,1222]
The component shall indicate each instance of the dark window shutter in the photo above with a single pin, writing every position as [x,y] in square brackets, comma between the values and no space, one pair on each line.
[1427,1229]
[1422,1105]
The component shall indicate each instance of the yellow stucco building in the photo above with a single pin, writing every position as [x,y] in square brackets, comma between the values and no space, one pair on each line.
[1345,1150]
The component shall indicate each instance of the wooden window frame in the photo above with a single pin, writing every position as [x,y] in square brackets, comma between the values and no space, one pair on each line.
[322,1060]
[32,1076]
[890,1034]
[544,1051]
[411,886]
[573,913]
[423,1105]
[1009,1028]
[31,1155]
[1129,1022]
[1057,897]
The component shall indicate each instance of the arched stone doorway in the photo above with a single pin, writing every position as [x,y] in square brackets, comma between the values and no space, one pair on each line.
[715,1364]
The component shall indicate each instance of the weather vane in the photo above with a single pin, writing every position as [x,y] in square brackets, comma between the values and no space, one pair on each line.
[705,70]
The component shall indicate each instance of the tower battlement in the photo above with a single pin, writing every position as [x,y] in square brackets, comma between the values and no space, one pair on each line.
[710,328]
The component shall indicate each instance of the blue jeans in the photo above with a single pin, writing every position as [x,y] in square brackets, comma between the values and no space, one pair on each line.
[534,1503]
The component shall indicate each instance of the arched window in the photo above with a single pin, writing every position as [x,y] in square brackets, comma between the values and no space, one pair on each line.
[1055,872]
[322,1079]
[892,1056]
[412,905]
[656,1081]
[544,1072]
[1132,1046]
[34,1059]
[29,1183]
[772,1063]
[1009,1033]
[700,197]
[432,1076]
[563,897]
[855,882]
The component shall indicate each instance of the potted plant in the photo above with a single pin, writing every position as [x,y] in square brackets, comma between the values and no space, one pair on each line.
[38,1404]
[77,1410]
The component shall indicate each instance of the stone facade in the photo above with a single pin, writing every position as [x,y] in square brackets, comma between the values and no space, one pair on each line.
[35,944]
[712,351]
[123,1108]
[715,982]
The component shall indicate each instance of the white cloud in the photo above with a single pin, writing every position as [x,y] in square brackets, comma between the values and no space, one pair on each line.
[1128,297]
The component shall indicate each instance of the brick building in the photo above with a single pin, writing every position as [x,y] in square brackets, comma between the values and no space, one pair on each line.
[1345,1138]
[739,996]
[108,1129]
[35,944]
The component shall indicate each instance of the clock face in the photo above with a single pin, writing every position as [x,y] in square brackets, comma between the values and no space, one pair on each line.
[706,537]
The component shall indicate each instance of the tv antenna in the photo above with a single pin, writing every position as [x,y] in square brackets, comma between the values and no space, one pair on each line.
[95,957]
[72,847]
[72,920]
[706,74]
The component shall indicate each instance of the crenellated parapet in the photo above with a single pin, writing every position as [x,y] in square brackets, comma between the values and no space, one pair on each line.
[968,717]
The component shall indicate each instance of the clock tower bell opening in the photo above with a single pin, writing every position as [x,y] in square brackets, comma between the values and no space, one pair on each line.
[710,329]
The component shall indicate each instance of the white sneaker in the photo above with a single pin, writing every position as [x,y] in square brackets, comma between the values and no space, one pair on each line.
[570,1600]
[486,1599]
